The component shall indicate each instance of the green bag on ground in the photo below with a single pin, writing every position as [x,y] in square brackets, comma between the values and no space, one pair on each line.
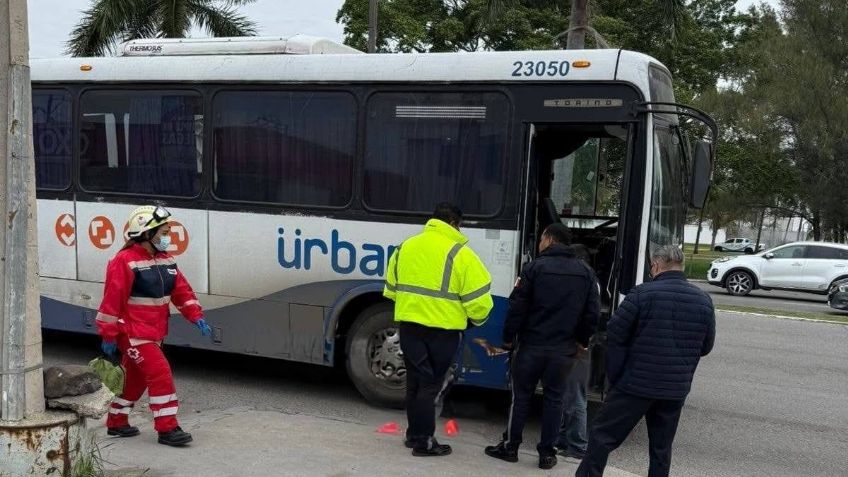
[111,375]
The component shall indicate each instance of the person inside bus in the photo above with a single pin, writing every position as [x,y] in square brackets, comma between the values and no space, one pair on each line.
[141,282]
[553,311]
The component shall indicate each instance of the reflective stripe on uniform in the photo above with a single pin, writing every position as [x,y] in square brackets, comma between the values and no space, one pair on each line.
[427,292]
[122,402]
[115,410]
[476,293]
[168,411]
[103,317]
[163,399]
[139,300]
[188,303]
[137,264]
[448,271]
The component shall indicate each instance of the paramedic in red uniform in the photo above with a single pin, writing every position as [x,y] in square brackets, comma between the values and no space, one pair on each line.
[142,280]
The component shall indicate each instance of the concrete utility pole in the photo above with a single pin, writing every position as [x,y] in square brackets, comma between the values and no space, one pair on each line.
[372,26]
[20,349]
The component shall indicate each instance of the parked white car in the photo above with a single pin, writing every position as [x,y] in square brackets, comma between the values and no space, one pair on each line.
[802,266]
[745,245]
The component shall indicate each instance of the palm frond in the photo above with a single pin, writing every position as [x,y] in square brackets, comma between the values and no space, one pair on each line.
[220,20]
[101,27]
[144,23]
[175,18]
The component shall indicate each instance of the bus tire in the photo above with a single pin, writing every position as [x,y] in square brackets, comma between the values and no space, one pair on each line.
[374,361]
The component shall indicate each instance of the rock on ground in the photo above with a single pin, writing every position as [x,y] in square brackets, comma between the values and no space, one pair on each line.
[89,405]
[70,380]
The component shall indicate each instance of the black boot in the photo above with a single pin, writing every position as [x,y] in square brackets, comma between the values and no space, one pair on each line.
[175,438]
[123,431]
[547,461]
[430,448]
[503,451]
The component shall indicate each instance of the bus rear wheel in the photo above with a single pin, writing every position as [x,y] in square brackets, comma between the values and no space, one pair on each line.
[374,358]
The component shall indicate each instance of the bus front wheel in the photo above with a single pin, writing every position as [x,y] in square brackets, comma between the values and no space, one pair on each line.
[374,358]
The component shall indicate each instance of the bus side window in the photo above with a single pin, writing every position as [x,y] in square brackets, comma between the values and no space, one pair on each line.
[141,142]
[52,138]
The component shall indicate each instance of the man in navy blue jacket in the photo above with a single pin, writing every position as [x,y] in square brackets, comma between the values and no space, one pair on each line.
[655,340]
[553,311]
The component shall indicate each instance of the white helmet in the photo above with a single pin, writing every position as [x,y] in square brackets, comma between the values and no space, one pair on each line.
[146,217]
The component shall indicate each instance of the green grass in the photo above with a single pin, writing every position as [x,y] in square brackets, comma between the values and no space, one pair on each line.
[834,317]
[697,268]
[705,251]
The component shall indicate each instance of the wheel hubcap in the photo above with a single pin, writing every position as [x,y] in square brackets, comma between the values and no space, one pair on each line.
[386,357]
[739,283]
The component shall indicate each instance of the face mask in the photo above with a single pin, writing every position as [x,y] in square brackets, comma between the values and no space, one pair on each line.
[163,244]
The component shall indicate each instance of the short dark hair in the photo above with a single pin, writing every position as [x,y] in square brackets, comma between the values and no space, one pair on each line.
[447,212]
[559,233]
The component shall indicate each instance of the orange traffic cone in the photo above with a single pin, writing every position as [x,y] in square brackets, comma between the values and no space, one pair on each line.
[451,428]
[389,428]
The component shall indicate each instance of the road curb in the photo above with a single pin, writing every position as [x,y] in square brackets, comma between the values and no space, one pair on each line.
[782,317]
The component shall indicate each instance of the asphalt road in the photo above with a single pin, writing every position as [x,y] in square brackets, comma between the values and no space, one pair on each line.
[772,399]
[772,300]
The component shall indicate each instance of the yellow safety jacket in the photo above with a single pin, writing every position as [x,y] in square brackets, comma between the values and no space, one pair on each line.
[436,280]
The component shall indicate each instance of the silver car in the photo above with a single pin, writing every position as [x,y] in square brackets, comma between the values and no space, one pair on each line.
[745,245]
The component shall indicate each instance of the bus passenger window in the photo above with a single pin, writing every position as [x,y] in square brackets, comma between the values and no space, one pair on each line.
[52,135]
[282,147]
[141,142]
[425,148]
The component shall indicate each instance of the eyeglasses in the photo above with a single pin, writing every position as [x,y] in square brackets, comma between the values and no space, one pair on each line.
[159,215]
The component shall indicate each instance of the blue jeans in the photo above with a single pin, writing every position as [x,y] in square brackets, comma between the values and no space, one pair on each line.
[572,432]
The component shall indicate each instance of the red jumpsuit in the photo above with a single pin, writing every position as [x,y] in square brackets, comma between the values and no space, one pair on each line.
[135,310]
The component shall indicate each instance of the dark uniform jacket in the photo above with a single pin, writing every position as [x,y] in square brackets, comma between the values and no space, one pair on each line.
[555,302]
[657,336]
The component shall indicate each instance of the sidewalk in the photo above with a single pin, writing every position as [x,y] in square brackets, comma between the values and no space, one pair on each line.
[248,442]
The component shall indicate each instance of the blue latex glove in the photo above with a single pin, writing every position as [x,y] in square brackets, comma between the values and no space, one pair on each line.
[205,329]
[109,348]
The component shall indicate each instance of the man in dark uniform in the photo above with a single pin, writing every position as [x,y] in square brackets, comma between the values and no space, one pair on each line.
[553,310]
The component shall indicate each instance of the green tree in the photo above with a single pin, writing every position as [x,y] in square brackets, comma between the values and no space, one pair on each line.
[108,22]
[799,72]
[694,39]
[446,25]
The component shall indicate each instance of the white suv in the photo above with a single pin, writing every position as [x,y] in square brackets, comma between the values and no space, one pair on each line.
[739,245]
[803,266]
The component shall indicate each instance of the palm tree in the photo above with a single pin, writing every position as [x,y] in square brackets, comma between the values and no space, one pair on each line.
[579,23]
[109,22]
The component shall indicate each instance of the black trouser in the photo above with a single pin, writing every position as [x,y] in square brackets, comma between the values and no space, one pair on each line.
[619,415]
[428,354]
[529,366]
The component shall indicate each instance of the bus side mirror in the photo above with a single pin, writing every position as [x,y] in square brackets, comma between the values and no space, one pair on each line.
[702,171]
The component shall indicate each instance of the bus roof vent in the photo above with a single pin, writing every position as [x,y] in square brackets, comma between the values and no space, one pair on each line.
[247,45]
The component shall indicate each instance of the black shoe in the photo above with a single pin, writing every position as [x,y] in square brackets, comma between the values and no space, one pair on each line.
[408,443]
[175,438]
[547,462]
[503,452]
[573,454]
[123,431]
[431,448]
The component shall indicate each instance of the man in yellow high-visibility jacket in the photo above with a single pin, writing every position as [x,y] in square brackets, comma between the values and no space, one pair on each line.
[438,285]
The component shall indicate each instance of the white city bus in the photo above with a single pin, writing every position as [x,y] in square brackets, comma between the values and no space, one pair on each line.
[292,175]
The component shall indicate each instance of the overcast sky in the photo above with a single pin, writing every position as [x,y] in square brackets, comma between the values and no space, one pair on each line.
[51,21]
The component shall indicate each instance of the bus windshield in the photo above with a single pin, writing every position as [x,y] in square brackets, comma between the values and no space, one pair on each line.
[586,184]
